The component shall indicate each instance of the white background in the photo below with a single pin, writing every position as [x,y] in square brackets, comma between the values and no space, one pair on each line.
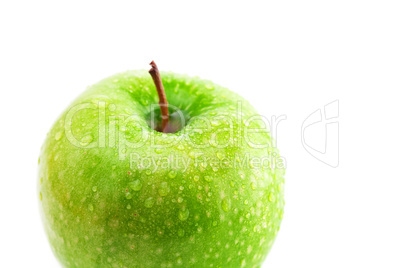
[286,57]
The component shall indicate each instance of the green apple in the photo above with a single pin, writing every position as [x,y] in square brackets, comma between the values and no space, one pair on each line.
[116,192]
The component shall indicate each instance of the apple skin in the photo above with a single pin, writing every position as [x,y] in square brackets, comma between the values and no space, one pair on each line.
[104,205]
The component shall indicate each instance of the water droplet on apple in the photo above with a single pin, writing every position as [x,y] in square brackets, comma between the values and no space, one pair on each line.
[180,147]
[246,202]
[136,185]
[207,178]
[149,202]
[180,200]
[243,263]
[271,197]
[158,150]
[164,189]
[193,155]
[253,185]
[196,178]
[94,189]
[220,155]
[128,195]
[180,232]
[91,207]
[209,87]
[128,206]
[58,135]
[172,174]
[215,123]
[184,214]
[179,261]
[86,140]
[226,204]
[213,142]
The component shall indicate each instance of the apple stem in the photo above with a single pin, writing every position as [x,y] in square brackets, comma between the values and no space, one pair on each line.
[154,72]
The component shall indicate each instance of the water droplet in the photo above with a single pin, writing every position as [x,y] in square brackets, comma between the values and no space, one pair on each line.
[180,200]
[226,204]
[58,135]
[128,206]
[214,223]
[215,123]
[243,263]
[136,185]
[220,155]
[207,178]
[164,189]
[210,87]
[181,188]
[128,195]
[194,155]
[242,176]
[148,172]
[248,215]
[172,174]
[149,202]
[253,185]
[271,197]
[213,142]
[196,178]
[94,189]
[86,140]
[183,214]
[91,207]
[179,261]
[158,150]
[246,202]
[180,232]
[180,147]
